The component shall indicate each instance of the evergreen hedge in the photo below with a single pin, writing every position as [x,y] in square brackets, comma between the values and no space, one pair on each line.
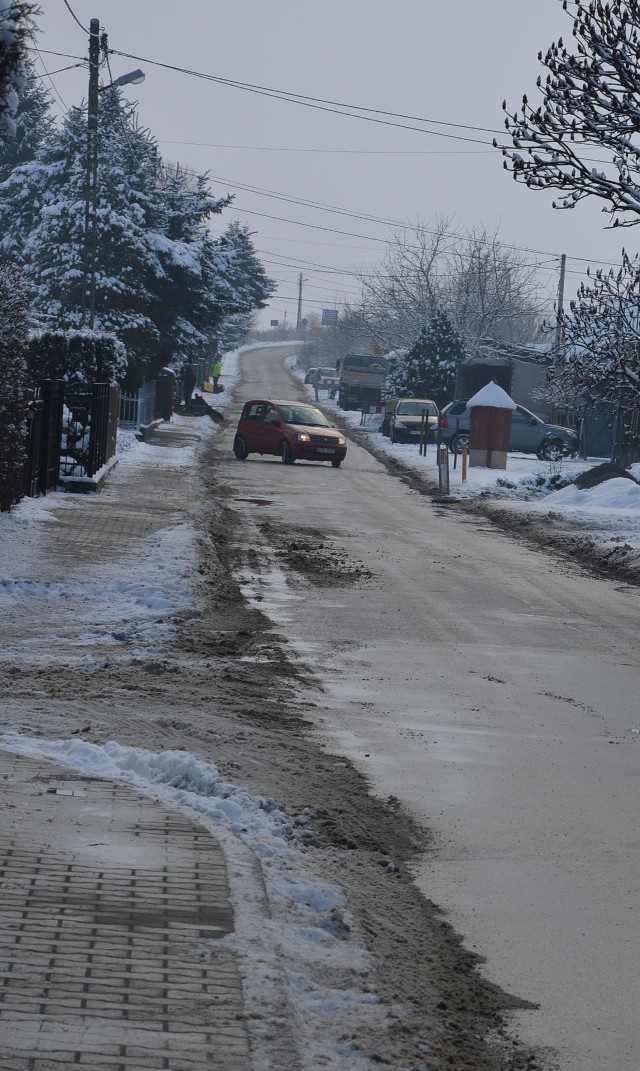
[13,384]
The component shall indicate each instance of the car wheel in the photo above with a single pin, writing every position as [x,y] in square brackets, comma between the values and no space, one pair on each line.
[240,448]
[337,463]
[460,439]
[286,455]
[552,450]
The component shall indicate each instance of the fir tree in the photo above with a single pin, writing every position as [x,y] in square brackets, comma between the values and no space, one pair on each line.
[164,284]
[16,28]
[33,124]
[245,285]
[184,294]
[43,217]
[429,368]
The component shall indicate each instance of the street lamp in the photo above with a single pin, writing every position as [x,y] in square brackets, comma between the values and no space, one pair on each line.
[133,78]
[91,172]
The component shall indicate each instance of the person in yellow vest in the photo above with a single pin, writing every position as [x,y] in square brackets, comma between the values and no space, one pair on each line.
[215,372]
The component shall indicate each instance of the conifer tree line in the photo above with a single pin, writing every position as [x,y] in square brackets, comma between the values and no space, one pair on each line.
[166,287]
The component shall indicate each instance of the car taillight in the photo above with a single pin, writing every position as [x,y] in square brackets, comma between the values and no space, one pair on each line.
[443,421]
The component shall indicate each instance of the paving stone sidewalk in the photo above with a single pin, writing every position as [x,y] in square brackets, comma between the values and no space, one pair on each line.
[112,906]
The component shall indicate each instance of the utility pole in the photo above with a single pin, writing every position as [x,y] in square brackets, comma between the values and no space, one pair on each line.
[91,180]
[559,324]
[299,318]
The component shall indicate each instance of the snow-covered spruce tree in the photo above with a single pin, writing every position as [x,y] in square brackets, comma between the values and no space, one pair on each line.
[16,29]
[42,217]
[183,298]
[428,369]
[234,331]
[242,285]
[13,385]
[590,99]
[33,123]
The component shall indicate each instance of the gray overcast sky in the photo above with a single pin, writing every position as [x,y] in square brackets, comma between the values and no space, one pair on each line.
[430,58]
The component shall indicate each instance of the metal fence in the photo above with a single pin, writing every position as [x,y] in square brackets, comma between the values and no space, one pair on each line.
[610,430]
[104,425]
[137,407]
[152,401]
[44,431]
[89,430]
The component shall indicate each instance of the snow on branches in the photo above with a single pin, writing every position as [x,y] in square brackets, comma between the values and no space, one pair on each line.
[15,29]
[601,339]
[583,137]
[429,368]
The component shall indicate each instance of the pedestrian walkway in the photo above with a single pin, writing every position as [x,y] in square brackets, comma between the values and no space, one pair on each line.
[112,906]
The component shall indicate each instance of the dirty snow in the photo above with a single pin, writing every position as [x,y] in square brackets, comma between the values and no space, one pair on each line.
[309,938]
[609,513]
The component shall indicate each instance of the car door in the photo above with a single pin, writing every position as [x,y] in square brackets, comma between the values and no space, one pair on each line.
[253,426]
[271,430]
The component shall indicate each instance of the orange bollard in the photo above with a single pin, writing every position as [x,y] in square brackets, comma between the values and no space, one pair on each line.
[464,463]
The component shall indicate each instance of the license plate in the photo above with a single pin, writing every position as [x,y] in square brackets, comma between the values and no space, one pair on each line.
[326,450]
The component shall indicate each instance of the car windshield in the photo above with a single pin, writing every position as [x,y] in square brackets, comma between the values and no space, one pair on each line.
[303,414]
[415,408]
[327,371]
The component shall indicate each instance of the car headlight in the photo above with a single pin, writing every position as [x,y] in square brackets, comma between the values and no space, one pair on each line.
[303,437]
[399,424]
[341,441]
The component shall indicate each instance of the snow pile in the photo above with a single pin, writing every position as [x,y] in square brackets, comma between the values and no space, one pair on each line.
[617,496]
[307,944]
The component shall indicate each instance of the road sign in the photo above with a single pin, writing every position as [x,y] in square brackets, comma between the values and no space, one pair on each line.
[329,316]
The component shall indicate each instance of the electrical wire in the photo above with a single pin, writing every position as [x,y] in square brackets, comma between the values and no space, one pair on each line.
[319,103]
[369,218]
[49,52]
[48,75]
[345,152]
[74,16]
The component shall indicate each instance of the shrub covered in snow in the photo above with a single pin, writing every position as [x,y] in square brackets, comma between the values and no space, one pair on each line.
[79,357]
[13,351]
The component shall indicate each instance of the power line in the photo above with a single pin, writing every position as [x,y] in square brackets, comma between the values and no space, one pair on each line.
[320,104]
[387,222]
[49,52]
[48,75]
[345,152]
[74,16]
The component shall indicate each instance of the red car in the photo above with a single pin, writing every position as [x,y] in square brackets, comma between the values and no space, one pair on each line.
[292,431]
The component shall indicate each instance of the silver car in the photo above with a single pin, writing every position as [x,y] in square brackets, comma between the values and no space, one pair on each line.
[529,434]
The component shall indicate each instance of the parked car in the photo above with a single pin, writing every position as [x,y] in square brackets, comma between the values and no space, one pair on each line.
[328,378]
[293,431]
[405,420]
[529,434]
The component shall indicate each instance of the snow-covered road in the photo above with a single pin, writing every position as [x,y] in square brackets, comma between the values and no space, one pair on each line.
[492,690]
